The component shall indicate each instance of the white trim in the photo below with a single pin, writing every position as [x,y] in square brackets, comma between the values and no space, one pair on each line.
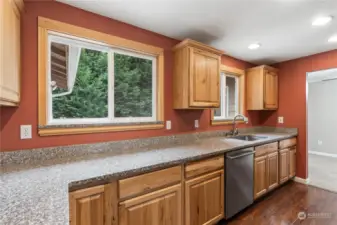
[301,180]
[224,91]
[323,154]
[111,50]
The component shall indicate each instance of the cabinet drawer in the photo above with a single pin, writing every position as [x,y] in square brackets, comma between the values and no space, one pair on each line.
[204,166]
[265,149]
[287,143]
[146,182]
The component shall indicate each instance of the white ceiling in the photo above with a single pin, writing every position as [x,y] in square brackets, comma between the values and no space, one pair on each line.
[283,27]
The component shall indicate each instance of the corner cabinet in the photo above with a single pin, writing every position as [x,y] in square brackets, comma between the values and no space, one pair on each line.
[196,76]
[262,88]
[10,64]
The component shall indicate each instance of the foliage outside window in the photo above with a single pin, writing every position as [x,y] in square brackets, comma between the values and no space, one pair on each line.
[229,97]
[92,83]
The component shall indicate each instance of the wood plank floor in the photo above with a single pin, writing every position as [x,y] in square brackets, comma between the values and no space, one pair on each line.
[282,206]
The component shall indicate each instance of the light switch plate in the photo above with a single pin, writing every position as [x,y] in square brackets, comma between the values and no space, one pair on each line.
[168,125]
[319,142]
[26,131]
[280,119]
[196,123]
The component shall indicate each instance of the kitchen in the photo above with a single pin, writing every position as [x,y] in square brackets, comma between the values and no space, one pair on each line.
[171,167]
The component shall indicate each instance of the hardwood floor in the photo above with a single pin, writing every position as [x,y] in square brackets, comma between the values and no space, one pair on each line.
[282,206]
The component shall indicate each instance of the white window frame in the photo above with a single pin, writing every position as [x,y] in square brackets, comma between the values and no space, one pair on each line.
[224,104]
[98,46]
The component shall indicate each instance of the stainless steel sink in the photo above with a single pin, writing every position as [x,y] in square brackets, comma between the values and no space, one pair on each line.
[248,137]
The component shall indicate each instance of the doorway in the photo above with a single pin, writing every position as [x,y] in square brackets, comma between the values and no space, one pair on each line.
[322,128]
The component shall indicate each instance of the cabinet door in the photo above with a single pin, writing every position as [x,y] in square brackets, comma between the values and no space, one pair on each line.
[204,79]
[204,199]
[272,170]
[162,207]
[284,165]
[292,162]
[260,176]
[10,53]
[93,206]
[270,90]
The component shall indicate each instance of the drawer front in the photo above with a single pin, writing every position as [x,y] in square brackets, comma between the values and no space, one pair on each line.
[287,143]
[204,166]
[265,149]
[144,183]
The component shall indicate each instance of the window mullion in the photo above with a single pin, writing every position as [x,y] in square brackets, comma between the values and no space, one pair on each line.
[111,85]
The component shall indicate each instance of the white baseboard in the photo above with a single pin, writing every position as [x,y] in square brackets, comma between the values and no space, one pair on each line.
[323,154]
[301,180]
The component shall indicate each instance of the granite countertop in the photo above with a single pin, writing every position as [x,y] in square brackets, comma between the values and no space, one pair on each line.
[39,195]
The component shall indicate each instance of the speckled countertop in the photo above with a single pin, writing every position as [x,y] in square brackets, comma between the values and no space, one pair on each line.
[39,195]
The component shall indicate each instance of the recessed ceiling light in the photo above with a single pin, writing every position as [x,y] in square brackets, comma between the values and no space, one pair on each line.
[254,46]
[321,21]
[333,38]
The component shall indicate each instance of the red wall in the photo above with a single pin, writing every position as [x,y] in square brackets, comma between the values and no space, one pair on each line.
[26,113]
[292,99]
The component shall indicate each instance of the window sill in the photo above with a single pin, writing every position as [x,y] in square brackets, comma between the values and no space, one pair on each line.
[224,122]
[51,130]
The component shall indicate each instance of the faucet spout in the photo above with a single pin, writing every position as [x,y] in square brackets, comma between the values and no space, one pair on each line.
[234,130]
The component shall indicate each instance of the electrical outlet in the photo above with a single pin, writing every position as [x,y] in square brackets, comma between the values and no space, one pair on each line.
[280,119]
[319,142]
[26,131]
[196,123]
[168,125]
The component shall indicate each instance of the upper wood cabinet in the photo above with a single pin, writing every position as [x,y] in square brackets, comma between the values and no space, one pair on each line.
[262,88]
[10,52]
[196,76]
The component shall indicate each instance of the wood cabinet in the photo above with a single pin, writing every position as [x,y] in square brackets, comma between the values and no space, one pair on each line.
[196,76]
[272,170]
[266,169]
[204,199]
[262,88]
[10,64]
[292,162]
[260,176]
[287,159]
[162,207]
[284,165]
[93,206]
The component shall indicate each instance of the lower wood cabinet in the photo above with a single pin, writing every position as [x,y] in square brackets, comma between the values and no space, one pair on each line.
[272,171]
[204,199]
[287,163]
[292,162]
[284,165]
[93,206]
[260,176]
[266,170]
[162,207]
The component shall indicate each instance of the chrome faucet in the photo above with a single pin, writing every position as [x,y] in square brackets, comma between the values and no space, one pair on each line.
[235,130]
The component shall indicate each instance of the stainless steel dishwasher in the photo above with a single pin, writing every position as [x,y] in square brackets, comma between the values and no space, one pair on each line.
[239,180]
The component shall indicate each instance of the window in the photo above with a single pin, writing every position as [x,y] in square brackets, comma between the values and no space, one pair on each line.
[85,88]
[231,95]
[113,82]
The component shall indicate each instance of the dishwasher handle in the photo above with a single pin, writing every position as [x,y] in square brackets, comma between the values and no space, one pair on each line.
[239,156]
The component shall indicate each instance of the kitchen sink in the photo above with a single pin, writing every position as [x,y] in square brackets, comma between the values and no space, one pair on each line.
[248,137]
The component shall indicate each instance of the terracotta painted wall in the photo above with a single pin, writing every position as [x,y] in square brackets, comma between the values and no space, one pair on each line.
[26,113]
[292,99]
